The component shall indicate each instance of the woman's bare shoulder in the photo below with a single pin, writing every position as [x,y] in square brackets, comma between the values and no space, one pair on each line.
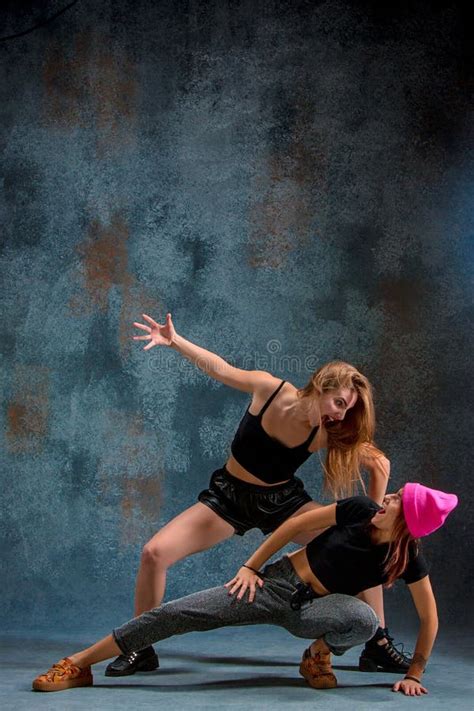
[266,385]
[267,382]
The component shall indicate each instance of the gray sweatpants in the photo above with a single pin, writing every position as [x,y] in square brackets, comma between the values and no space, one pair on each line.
[341,620]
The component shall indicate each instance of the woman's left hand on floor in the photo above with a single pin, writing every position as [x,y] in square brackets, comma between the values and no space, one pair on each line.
[409,687]
[245,580]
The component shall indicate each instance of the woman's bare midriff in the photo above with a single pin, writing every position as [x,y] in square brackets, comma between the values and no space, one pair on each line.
[299,561]
[234,468]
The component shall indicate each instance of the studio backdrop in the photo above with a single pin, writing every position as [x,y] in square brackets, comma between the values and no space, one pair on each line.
[291,180]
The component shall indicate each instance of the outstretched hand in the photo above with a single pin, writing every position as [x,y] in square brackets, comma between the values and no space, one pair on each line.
[157,334]
[409,687]
[245,580]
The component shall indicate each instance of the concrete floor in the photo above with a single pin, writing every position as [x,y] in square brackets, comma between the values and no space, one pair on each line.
[241,668]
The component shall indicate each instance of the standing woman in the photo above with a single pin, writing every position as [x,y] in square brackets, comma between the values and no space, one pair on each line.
[257,487]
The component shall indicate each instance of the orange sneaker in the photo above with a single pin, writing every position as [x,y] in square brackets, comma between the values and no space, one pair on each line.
[63,675]
[317,670]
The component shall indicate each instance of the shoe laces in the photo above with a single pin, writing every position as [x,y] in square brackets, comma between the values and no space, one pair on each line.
[61,669]
[395,651]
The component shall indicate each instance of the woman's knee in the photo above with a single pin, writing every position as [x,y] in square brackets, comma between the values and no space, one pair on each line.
[155,554]
[349,619]
[366,621]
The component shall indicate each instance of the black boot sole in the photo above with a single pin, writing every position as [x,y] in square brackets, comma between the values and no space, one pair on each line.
[147,665]
[368,665]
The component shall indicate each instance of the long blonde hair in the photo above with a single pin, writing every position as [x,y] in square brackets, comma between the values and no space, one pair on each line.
[347,438]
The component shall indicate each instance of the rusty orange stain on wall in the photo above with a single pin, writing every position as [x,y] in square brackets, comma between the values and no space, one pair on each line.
[104,264]
[135,301]
[94,87]
[104,260]
[142,494]
[28,411]
[136,489]
[281,220]
[140,506]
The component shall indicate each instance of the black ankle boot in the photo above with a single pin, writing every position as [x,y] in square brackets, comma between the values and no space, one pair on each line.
[126,664]
[383,657]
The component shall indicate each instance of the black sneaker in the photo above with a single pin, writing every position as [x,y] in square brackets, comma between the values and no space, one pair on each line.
[383,657]
[126,664]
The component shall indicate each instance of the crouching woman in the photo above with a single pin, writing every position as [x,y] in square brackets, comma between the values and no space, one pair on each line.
[311,592]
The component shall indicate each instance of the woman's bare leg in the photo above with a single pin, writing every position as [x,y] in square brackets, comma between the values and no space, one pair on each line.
[105,649]
[374,598]
[196,529]
[319,646]
[389,658]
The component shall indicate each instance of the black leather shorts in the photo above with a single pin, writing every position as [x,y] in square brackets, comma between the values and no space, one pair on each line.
[247,506]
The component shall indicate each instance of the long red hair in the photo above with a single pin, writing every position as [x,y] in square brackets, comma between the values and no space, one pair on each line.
[398,552]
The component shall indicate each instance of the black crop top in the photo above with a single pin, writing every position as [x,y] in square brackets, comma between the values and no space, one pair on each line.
[345,560]
[262,455]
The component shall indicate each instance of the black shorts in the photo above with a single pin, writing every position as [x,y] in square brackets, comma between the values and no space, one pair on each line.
[247,506]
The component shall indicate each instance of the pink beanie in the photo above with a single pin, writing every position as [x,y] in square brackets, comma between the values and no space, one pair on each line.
[426,509]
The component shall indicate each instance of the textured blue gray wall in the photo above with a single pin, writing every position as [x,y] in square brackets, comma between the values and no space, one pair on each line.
[290,180]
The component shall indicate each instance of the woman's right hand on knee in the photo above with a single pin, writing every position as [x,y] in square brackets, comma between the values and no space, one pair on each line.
[245,580]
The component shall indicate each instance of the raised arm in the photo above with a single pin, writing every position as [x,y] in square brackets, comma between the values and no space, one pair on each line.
[425,603]
[378,466]
[216,367]
[247,576]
